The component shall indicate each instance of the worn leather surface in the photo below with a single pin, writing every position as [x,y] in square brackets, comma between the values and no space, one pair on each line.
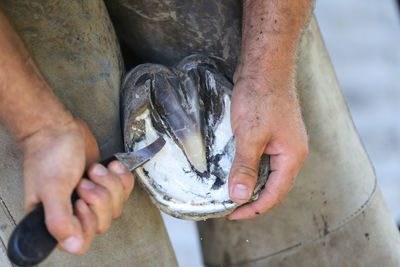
[330,201]
[74,45]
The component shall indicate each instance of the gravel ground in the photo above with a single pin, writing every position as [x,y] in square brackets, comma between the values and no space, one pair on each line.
[363,38]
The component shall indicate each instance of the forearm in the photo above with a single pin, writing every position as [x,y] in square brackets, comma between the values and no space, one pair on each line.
[271,30]
[27,103]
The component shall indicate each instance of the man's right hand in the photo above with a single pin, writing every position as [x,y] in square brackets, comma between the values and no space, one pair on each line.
[56,148]
[54,161]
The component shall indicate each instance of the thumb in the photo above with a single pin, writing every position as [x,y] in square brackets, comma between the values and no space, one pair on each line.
[61,222]
[244,172]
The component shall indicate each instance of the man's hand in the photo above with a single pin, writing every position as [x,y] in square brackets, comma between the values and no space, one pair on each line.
[265,120]
[54,161]
[56,148]
[265,113]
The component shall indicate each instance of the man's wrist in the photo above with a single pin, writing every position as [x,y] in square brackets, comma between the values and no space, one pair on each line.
[46,116]
[272,73]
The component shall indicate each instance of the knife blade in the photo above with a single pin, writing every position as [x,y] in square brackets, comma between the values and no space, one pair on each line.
[132,160]
[30,243]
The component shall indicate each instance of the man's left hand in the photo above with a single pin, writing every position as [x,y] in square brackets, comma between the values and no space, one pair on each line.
[265,119]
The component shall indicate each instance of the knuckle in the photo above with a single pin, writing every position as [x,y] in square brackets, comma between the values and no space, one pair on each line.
[294,163]
[249,150]
[112,182]
[304,150]
[91,232]
[117,213]
[246,171]
[103,228]
[300,148]
[94,225]
[91,225]
[127,193]
[118,168]
[100,197]
[56,225]
[100,179]
[129,181]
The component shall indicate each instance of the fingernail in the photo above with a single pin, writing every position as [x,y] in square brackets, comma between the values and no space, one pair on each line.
[72,244]
[88,185]
[119,168]
[241,192]
[99,170]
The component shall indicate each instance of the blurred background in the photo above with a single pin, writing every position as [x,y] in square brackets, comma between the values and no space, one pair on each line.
[363,39]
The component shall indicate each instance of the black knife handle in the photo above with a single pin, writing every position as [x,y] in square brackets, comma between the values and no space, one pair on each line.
[30,243]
